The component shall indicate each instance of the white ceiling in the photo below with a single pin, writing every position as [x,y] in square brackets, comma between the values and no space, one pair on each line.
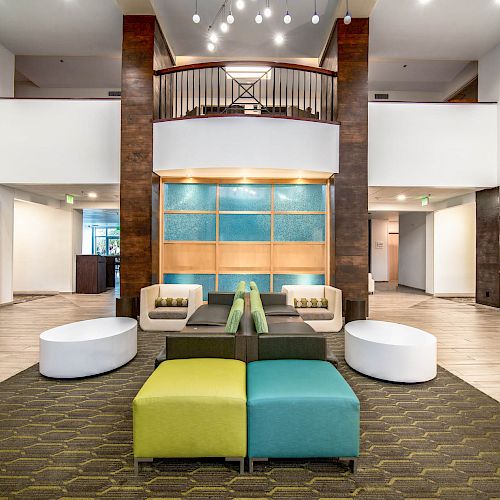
[388,195]
[246,38]
[105,192]
[455,30]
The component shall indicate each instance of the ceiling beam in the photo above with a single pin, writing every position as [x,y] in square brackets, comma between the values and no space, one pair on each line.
[136,7]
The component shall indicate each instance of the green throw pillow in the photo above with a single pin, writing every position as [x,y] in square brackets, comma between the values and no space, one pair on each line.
[170,302]
[240,290]
[253,286]
[322,303]
[259,319]
[255,301]
[235,314]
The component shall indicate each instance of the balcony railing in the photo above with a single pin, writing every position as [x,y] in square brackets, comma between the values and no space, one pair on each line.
[246,88]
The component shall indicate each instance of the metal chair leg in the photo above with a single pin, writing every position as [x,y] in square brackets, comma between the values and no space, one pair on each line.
[137,461]
[241,461]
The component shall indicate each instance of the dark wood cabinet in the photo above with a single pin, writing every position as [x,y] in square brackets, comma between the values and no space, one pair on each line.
[90,274]
[110,270]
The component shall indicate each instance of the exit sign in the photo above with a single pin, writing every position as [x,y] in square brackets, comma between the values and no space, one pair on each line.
[70,199]
[425,201]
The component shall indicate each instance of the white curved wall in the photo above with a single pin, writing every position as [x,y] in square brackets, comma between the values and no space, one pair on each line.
[246,142]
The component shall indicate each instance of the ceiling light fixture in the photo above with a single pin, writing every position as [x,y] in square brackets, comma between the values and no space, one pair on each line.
[279,39]
[347,17]
[258,18]
[401,197]
[267,11]
[224,27]
[210,46]
[240,4]
[230,17]
[315,17]
[92,194]
[196,17]
[213,37]
[288,18]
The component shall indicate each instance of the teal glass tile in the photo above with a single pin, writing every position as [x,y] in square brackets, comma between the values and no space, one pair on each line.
[244,227]
[190,196]
[297,279]
[207,281]
[229,282]
[300,198]
[299,227]
[245,197]
[189,227]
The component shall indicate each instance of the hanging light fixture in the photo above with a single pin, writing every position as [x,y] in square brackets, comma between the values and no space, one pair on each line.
[347,17]
[258,18]
[288,18]
[210,46]
[213,37]
[223,25]
[230,17]
[267,10]
[315,17]
[240,4]
[196,17]
[279,39]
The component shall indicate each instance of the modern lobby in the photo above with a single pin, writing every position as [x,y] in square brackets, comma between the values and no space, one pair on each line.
[250,249]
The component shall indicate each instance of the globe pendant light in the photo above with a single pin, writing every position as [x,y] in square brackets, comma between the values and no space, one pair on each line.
[288,18]
[258,18]
[347,17]
[240,4]
[196,17]
[315,17]
[267,11]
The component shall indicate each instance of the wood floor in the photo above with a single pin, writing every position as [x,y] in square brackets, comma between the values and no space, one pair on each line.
[468,335]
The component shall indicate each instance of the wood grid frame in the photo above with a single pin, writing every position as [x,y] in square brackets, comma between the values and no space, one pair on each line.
[233,257]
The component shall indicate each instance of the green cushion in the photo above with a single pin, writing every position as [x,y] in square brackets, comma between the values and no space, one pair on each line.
[240,290]
[255,301]
[235,314]
[259,319]
[253,286]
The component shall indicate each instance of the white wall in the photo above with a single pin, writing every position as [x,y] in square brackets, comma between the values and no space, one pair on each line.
[439,145]
[455,251]
[379,264]
[412,249]
[489,86]
[28,89]
[59,142]
[6,243]
[246,142]
[45,242]
[7,70]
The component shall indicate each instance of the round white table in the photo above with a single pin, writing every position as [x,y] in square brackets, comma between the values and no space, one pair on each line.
[87,347]
[390,351]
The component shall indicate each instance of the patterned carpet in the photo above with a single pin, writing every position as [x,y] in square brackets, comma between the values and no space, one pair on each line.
[72,439]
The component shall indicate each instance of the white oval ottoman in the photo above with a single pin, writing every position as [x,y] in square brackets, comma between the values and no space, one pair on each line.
[390,351]
[87,347]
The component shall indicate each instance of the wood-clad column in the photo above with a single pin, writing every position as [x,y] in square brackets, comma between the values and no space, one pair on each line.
[139,185]
[488,247]
[347,53]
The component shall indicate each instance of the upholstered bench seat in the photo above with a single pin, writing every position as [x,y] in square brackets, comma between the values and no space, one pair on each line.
[299,409]
[315,314]
[192,408]
[168,313]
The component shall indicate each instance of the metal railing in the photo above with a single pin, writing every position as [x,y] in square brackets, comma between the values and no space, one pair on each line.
[246,88]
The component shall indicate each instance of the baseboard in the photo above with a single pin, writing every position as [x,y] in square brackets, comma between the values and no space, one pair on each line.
[457,295]
[35,292]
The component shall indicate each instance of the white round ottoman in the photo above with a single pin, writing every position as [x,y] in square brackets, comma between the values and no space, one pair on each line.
[390,351]
[87,347]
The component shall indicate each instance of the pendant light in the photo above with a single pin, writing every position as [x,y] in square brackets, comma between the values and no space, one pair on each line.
[196,17]
[347,17]
[267,11]
[315,17]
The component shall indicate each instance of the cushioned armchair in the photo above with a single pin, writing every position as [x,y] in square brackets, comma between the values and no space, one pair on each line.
[321,319]
[168,319]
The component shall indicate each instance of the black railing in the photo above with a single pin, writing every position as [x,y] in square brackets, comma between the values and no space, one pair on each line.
[246,88]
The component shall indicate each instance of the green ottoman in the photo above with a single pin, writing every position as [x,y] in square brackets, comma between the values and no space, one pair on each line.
[298,409]
[192,408]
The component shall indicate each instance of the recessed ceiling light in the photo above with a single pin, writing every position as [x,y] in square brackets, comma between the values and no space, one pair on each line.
[401,197]
[279,39]
[423,2]
[92,194]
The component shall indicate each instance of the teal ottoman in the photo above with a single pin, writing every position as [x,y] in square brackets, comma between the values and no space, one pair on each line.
[298,409]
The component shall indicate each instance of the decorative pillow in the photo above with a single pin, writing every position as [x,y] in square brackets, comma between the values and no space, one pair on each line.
[298,303]
[253,286]
[259,319]
[240,290]
[170,302]
[235,314]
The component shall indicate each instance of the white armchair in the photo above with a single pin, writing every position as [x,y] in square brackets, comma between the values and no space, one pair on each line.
[168,319]
[371,283]
[321,320]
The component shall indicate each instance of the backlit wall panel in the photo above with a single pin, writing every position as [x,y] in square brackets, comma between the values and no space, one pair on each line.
[219,234]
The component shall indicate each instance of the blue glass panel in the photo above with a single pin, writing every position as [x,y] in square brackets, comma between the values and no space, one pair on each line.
[299,227]
[228,282]
[244,227]
[189,227]
[245,197]
[206,280]
[297,279]
[190,196]
[299,198]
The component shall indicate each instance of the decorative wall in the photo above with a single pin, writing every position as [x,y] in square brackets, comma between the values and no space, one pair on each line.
[271,233]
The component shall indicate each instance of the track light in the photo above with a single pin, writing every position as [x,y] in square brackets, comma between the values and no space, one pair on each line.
[258,18]
[315,17]
[347,17]
[196,17]
[240,4]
